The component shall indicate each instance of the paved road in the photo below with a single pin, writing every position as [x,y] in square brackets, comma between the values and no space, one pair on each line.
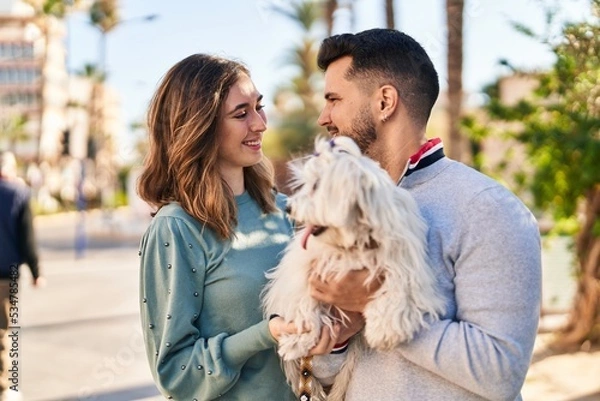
[80,335]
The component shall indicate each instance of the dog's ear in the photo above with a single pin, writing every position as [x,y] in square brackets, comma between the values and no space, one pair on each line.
[375,199]
[366,198]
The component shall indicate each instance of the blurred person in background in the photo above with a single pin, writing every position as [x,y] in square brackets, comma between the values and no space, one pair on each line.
[17,246]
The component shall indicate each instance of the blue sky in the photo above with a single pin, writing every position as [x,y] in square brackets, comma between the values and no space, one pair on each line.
[139,53]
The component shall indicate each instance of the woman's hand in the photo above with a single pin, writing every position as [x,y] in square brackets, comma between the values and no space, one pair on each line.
[339,333]
[278,327]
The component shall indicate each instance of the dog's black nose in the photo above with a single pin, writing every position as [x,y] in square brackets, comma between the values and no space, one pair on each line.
[288,209]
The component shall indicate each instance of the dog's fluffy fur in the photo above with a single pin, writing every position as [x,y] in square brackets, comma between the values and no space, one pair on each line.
[354,217]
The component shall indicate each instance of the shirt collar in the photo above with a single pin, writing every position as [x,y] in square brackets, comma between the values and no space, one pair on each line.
[429,153]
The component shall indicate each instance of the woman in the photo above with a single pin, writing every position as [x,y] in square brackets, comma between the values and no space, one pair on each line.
[218,228]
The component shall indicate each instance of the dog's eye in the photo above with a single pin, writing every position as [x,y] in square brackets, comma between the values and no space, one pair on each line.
[315,185]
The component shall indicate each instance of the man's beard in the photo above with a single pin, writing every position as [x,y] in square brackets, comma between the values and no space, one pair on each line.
[362,130]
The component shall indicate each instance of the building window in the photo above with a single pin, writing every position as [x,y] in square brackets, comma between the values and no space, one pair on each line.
[16,51]
[18,75]
[28,99]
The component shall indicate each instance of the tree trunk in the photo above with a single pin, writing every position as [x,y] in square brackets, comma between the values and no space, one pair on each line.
[43,25]
[95,131]
[389,14]
[330,7]
[454,22]
[584,319]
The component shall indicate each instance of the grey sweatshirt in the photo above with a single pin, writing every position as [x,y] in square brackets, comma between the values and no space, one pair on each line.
[484,245]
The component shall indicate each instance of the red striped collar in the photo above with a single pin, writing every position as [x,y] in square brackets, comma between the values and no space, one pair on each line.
[430,152]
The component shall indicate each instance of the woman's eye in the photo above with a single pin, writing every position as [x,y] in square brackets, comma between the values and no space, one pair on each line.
[241,115]
[260,107]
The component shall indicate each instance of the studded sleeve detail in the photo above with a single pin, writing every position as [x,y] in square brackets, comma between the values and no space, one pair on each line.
[174,260]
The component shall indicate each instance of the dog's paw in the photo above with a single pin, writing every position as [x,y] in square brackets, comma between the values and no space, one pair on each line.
[389,322]
[296,346]
[386,328]
[383,338]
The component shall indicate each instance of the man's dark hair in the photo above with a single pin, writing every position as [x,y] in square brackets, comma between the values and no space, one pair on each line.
[387,57]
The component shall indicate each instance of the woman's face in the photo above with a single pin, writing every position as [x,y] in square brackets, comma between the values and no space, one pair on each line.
[242,122]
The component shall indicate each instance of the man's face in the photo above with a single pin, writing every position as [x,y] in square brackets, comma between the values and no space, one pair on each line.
[347,109]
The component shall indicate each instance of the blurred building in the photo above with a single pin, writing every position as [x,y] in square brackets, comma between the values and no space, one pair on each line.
[33,81]
[62,128]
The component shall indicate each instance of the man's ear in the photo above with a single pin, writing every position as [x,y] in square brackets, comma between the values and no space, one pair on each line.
[388,102]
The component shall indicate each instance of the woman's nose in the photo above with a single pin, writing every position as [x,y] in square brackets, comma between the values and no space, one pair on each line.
[258,124]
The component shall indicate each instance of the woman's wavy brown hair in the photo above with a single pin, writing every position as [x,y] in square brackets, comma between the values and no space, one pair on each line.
[181,164]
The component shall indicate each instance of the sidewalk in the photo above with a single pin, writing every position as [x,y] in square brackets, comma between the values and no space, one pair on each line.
[81,336]
[562,377]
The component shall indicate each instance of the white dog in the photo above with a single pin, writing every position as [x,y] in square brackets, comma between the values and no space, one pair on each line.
[354,217]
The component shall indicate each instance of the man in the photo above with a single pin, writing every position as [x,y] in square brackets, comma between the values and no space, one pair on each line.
[483,243]
[17,246]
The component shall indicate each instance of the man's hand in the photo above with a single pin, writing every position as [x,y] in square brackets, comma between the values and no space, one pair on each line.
[349,293]
[353,324]
[340,334]
[327,340]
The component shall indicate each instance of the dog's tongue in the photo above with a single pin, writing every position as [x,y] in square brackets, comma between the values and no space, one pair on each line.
[305,234]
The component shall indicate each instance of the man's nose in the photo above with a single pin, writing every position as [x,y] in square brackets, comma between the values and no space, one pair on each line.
[324,119]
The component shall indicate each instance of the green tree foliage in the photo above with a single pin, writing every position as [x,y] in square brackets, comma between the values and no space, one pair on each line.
[44,10]
[104,14]
[13,130]
[55,8]
[559,127]
[298,101]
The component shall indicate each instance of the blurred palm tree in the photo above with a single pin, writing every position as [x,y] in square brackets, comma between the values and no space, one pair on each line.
[12,129]
[44,12]
[140,130]
[298,101]
[96,77]
[389,14]
[457,148]
[330,8]
[104,15]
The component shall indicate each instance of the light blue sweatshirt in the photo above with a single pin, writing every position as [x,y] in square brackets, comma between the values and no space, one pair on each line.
[202,320]
[485,248]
